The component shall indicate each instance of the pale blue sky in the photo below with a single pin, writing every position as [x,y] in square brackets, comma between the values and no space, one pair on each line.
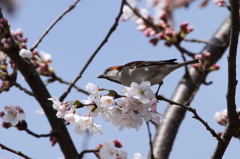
[76,37]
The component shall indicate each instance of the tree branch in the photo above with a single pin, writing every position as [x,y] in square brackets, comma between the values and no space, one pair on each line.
[19,153]
[88,151]
[185,92]
[112,29]
[196,116]
[41,94]
[150,140]
[55,77]
[55,22]
[22,89]
[41,135]
[233,119]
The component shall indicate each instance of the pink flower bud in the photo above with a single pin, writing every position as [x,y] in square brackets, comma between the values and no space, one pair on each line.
[168,44]
[9,40]
[3,40]
[215,67]
[194,65]
[6,125]
[23,45]
[6,45]
[184,25]
[169,32]
[24,40]
[198,56]
[190,29]
[2,114]
[19,32]
[53,140]
[118,143]
[154,41]
[207,54]
[163,17]
[99,146]
[19,109]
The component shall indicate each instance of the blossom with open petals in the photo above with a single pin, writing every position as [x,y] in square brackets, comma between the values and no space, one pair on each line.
[108,151]
[142,91]
[93,90]
[14,114]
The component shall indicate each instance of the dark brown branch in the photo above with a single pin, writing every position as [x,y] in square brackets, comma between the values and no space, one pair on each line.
[55,77]
[41,94]
[184,51]
[19,153]
[150,140]
[185,92]
[196,116]
[41,135]
[88,151]
[22,89]
[233,119]
[112,29]
[52,25]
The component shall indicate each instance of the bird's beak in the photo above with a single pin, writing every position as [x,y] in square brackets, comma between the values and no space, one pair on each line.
[101,76]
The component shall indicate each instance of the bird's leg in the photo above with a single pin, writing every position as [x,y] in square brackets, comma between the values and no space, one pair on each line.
[159,85]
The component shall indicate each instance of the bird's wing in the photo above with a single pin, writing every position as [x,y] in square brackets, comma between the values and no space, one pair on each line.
[137,64]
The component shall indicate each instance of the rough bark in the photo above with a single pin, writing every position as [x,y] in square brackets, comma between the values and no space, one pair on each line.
[185,92]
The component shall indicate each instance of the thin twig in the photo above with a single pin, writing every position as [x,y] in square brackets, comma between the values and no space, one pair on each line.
[55,77]
[19,153]
[196,116]
[88,151]
[52,25]
[22,89]
[41,135]
[150,140]
[204,41]
[184,51]
[112,29]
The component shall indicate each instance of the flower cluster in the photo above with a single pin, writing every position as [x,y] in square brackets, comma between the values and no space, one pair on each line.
[204,66]
[14,39]
[129,111]
[14,116]
[159,26]
[109,151]
[67,111]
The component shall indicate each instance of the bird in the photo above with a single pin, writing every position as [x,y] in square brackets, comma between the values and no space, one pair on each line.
[139,71]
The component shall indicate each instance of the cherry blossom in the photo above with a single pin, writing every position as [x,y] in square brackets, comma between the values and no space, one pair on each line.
[106,101]
[108,151]
[14,115]
[94,129]
[45,56]
[60,107]
[142,91]
[93,90]
[122,154]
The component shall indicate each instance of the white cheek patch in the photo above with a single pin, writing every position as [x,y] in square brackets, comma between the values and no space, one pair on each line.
[112,73]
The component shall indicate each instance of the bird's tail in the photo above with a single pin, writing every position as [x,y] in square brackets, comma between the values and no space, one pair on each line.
[189,62]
